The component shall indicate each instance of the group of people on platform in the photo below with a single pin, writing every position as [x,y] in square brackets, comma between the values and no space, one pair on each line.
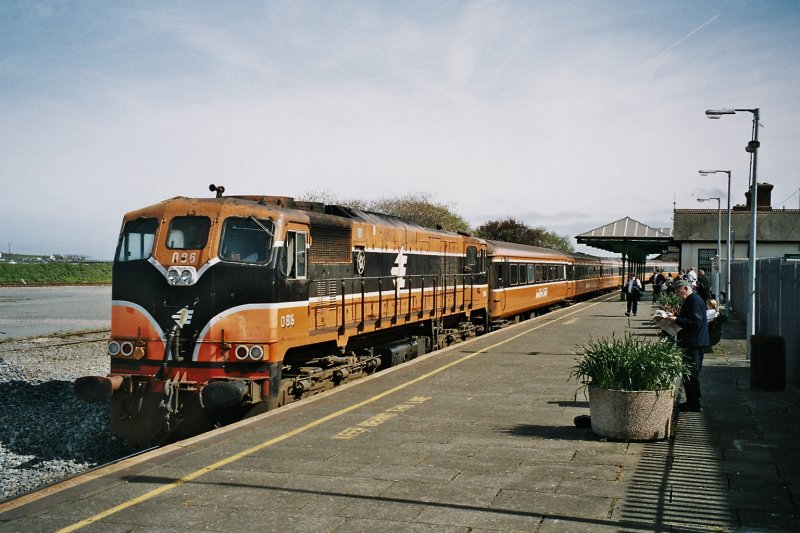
[690,327]
[662,282]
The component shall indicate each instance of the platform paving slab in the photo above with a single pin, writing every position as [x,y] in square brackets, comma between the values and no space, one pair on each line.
[486,444]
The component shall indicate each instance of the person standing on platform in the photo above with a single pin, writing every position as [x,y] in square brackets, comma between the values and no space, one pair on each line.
[703,285]
[658,281]
[633,291]
[692,339]
[691,277]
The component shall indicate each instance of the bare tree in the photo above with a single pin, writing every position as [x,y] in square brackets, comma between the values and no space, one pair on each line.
[414,207]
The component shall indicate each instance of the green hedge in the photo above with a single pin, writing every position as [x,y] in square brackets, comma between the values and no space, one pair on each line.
[55,273]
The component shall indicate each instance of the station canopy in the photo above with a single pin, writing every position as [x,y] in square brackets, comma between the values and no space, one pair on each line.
[634,240]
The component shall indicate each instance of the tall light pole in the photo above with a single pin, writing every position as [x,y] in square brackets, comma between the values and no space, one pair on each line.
[728,251]
[752,149]
[719,237]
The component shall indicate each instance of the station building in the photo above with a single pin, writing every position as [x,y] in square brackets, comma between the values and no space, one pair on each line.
[695,233]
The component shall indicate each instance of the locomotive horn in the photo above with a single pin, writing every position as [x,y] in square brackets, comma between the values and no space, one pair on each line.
[218,188]
[94,389]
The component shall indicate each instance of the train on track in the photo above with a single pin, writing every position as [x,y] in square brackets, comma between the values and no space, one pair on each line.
[229,306]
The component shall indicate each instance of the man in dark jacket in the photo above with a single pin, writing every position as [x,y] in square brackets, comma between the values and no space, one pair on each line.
[658,280]
[703,285]
[692,338]
[633,291]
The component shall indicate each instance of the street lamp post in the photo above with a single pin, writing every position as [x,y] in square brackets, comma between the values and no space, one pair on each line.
[719,237]
[752,148]
[728,251]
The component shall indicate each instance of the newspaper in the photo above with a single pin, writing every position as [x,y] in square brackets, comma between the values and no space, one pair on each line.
[659,317]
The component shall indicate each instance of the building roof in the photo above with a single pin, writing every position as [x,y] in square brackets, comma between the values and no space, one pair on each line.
[628,237]
[626,228]
[773,225]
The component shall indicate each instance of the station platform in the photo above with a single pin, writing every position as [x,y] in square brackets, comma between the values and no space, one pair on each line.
[476,437]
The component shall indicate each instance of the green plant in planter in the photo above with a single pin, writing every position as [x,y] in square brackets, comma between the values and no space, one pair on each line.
[629,364]
[669,302]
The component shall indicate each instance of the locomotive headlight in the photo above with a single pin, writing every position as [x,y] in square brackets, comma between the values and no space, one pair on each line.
[127,348]
[180,275]
[113,348]
[256,353]
[242,352]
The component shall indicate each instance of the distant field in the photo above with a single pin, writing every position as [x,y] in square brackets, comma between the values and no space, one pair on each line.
[55,273]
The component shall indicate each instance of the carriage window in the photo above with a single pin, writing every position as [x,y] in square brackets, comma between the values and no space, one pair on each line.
[188,233]
[513,274]
[294,257]
[136,240]
[246,240]
[539,273]
[523,274]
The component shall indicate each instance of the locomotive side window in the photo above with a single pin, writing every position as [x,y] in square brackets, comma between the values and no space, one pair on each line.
[246,240]
[472,259]
[294,257]
[188,233]
[136,240]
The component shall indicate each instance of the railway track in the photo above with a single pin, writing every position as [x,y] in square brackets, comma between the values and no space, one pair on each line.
[58,341]
[46,433]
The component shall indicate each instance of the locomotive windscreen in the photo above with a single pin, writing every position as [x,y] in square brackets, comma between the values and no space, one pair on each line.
[137,239]
[188,233]
[246,240]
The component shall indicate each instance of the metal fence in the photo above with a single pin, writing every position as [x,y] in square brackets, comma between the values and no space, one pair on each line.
[777,301]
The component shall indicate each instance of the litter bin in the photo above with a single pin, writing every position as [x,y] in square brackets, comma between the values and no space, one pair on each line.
[767,362]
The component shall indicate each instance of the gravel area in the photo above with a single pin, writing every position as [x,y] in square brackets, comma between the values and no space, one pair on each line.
[46,434]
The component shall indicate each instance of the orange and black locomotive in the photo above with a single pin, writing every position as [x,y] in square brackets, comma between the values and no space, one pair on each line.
[227,306]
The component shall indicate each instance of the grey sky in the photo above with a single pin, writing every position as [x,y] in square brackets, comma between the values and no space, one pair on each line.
[566,115]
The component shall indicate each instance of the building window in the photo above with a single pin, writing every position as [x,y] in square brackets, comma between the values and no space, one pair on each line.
[704,256]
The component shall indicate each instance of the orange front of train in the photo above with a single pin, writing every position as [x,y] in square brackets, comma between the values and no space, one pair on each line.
[205,300]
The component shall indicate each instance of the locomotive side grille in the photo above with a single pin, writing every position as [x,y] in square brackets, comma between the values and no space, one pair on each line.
[330,244]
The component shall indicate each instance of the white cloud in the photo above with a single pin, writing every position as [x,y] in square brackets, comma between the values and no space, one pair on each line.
[532,111]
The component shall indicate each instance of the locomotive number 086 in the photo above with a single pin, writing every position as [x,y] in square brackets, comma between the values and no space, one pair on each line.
[287,321]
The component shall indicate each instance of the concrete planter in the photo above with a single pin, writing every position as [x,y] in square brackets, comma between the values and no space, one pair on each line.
[631,415]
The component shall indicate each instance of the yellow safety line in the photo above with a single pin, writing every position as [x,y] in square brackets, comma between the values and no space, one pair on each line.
[197,473]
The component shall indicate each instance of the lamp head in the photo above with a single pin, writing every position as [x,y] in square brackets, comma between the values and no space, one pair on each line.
[709,172]
[716,113]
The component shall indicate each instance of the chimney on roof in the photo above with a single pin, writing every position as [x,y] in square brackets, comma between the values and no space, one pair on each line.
[764,197]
